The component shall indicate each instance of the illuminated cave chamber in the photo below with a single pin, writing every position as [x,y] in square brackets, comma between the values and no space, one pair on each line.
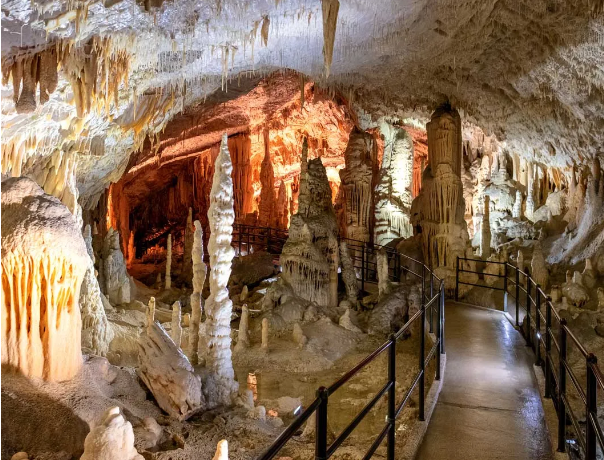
[202,204]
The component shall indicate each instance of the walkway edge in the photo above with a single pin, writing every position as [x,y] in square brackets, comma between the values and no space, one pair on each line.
[418,430]
[551,418]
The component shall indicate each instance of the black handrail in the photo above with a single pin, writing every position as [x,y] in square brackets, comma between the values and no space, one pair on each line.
[541,337]
[266,238]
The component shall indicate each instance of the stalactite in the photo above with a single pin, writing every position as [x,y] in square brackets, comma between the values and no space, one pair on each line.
[199,278]
[330,10]
[218,306]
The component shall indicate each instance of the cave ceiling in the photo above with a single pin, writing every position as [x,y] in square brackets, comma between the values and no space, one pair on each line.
[530,72]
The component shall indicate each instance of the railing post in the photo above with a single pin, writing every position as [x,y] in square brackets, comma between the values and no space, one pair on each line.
[592,408]
[422,364]
[268,240]
[363,269]
[517,297]
[538,325]
[438,335]
[432,307]
[548,347]
[562,387]
[457,279]
[391,396]
[442,317]
[528,308]
[505,287]
[321,425]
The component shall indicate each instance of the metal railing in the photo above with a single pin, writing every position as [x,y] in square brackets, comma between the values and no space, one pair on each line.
[431,311]
[548,334]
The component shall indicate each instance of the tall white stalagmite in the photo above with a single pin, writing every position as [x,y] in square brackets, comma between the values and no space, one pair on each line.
[176,330]
[169,262]
[199,278]
[218,306]
[485,230]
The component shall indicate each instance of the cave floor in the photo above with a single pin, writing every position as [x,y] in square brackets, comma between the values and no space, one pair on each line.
[489,405]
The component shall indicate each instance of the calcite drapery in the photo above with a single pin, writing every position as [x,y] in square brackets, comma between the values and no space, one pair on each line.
[218,306]
[44,259]
[438,211]
[310,255]
[356,186]
[393,192]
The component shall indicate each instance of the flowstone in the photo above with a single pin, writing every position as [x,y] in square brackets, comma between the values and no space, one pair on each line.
[44,260]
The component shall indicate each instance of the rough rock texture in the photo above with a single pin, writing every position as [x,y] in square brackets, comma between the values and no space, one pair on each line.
[218,306]
[117,281]
[349,275]
[112,439]
[395,184]
[167,372]
[44,260]
[266,209]
[310,255]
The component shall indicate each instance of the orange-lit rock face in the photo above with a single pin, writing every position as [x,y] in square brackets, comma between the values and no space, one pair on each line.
[153,198]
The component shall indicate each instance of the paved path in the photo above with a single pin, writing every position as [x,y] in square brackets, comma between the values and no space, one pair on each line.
[489,407]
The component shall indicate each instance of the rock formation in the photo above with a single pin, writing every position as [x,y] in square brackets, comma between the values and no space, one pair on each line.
[266,210]
[282,208]
[348,275]
[485,230]
[187,262]
[96,332]
[117,281]
[517,210]
[199,278]
[383,276]
[438,211]
[357,186]
[243,339]
[539,271]
[44,260]
[222,450]
[310,255]
[393,192]
[176,329]
[264,336]
[218,306]
[112,439]
[168,374]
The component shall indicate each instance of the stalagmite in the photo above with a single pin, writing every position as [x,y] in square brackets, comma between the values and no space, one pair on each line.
[150,312]
[264,344]
[393,192]
[218,306]
[266,209]
[357,185]
[530,193]
[485,231]
[384,286]
[517,210]
[44,260]
[169,262]
[112,439]
[439,208]
[96,332]
[282,208]
[199,278]
[330,20]
[310,256]
[243,339]
[539,271]
[240,149]
[348,275]
[222,450]
[117,281]
[176,329]
[167,372]
[187,262]
[520,260]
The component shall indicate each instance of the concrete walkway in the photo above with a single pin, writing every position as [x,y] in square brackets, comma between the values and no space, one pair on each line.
[489,407]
